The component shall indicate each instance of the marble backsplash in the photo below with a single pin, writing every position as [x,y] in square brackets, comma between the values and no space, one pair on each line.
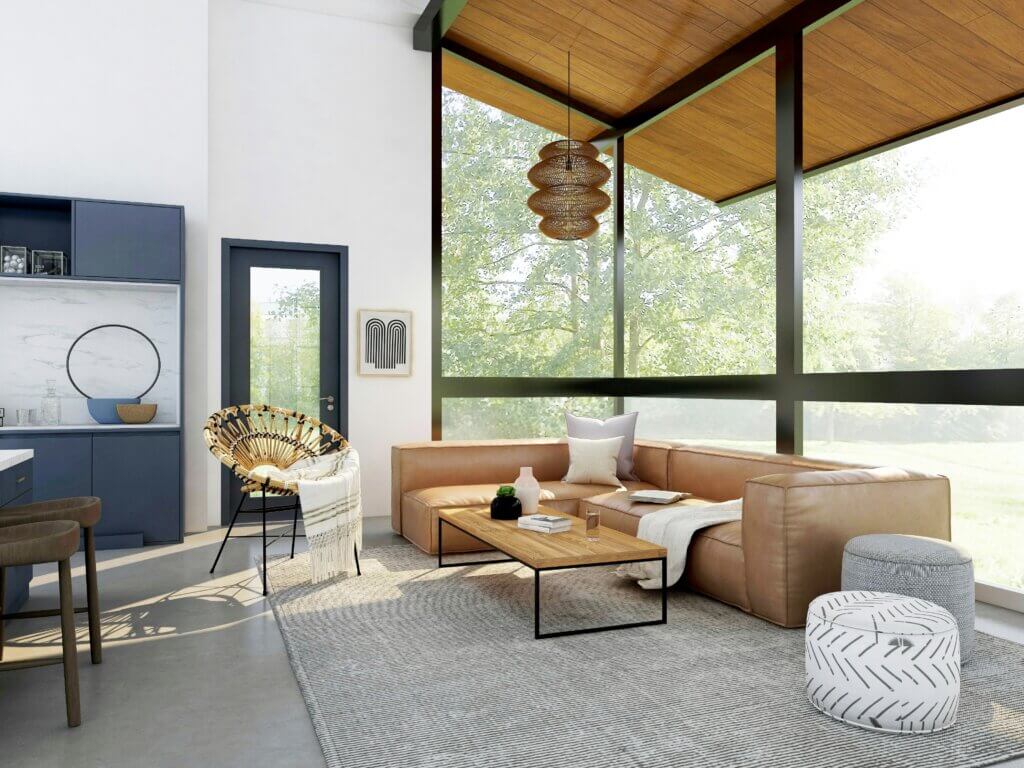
[39,320]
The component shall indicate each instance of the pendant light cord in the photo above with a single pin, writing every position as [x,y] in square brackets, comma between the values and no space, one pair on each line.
[568,108]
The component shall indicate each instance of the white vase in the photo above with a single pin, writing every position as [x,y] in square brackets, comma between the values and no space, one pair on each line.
[527,490]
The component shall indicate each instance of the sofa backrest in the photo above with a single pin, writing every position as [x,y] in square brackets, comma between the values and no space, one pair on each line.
[720,474]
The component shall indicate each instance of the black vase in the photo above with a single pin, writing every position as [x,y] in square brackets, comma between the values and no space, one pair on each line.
[506,508]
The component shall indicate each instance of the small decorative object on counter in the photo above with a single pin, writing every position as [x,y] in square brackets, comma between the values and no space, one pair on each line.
[2,414]
[104,409]
[24,417]
[528,490]
[505,505]
[13,259]
[49,405]
[141,413]
[49,263]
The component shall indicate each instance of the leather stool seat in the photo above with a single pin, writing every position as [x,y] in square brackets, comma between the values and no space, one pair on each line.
[84,510]
[31,543]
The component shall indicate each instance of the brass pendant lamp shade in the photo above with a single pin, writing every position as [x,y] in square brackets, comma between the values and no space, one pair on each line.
[569,197]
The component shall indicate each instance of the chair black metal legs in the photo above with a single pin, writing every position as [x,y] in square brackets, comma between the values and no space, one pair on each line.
[295,527]
[228,534]
[263,511]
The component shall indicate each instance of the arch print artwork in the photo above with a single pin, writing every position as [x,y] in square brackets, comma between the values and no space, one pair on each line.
[385,342]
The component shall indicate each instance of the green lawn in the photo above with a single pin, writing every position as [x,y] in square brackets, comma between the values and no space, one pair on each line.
[987,481]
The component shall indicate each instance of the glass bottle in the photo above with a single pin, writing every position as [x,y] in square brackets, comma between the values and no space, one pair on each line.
[49,406]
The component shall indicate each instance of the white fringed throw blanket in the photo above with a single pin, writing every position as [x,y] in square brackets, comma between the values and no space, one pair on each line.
[331,510]
[672,528]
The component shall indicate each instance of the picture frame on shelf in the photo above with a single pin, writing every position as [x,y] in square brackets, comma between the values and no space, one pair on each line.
[49,263]
[13,260]
[385,342]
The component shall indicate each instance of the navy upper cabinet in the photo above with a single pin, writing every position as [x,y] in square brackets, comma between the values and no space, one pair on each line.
[127,240]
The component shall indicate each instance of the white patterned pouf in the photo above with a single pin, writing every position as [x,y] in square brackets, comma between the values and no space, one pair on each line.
[883,661]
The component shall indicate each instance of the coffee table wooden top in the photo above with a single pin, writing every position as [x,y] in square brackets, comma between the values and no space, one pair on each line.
[551,550]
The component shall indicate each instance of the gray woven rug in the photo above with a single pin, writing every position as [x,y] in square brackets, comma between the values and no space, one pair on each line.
[411,667]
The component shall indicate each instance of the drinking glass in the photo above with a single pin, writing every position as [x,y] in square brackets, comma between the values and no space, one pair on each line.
[593,523]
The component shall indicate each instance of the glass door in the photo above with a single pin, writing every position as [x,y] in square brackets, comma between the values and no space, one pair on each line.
[286,333]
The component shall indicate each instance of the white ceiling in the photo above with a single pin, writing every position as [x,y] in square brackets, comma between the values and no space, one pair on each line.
[399,13]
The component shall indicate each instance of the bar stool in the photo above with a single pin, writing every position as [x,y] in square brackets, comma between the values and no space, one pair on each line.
[34,544]
[84,510]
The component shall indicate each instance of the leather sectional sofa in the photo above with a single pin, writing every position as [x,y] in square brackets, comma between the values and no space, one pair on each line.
[797,513]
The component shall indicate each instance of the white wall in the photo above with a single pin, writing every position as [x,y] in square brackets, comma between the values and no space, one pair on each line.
[320,133]
[265,122]
[117,109]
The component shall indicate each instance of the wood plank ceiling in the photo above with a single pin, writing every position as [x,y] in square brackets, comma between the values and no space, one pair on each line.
[883,70]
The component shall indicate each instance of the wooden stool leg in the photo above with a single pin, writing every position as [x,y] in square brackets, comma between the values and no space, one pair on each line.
[93,597]
[67,634]
[3,602]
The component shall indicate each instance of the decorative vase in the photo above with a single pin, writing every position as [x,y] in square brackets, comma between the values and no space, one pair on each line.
[527,490]
[505,506]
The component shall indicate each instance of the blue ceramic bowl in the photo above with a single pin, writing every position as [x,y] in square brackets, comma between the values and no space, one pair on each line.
[104,409]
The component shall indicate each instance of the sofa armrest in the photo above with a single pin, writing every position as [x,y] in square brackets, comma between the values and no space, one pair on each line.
[796,525]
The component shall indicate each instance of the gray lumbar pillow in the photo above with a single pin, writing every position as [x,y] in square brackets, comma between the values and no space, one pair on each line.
[623,426]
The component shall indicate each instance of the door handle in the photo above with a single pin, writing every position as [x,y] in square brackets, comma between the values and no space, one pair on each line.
[330,401]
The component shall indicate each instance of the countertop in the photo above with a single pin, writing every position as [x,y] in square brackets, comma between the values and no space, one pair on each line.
[10,459]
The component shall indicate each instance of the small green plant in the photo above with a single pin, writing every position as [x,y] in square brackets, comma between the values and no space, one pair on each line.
[506,490]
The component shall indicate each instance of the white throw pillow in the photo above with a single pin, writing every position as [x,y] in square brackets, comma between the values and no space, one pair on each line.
[594,461]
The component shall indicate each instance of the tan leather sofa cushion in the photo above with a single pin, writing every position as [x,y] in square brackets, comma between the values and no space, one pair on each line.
[463,462]
[721,475]
[715,564]
[620,502]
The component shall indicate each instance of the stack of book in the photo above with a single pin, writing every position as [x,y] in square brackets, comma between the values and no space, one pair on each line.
[545,523]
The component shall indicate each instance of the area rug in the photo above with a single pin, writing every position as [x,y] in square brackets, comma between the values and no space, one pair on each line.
[408,666]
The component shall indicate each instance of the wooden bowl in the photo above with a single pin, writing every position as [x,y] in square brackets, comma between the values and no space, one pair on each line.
[139,413]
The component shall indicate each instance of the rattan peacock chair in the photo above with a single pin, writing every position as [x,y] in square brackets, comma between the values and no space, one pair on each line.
[248,439]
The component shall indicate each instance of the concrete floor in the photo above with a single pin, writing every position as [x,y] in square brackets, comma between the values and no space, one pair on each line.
[194,671]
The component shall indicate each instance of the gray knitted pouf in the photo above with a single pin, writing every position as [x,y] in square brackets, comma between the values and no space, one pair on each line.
[930,569]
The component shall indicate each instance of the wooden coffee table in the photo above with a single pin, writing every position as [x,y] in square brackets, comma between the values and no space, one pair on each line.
[553,551]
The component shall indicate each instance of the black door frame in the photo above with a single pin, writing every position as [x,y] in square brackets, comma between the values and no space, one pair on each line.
[226,248]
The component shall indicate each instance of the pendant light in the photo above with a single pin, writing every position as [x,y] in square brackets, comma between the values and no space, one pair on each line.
[568,179]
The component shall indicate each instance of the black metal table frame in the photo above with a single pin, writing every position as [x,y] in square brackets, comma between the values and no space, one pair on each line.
[537,634]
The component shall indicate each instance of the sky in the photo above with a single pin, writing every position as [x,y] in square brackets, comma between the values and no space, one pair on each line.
[962,237]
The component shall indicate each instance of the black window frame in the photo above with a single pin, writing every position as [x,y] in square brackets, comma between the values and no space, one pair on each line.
[789,386]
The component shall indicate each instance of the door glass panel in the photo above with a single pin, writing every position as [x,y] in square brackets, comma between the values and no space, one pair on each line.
[284,346]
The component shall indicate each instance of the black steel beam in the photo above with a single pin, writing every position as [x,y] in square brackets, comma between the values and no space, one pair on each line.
[443,11]
[436,222]
[789,216]
[758,387]
[530,84]
[975,387]
[619,270]
[747,50]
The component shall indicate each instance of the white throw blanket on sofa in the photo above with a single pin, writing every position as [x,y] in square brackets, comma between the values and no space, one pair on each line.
[672,528]
[331,510]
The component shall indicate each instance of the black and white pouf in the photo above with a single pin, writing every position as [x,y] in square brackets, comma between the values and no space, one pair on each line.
[883,661]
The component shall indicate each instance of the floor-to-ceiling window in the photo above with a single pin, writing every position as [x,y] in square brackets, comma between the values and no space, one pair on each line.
[910,292]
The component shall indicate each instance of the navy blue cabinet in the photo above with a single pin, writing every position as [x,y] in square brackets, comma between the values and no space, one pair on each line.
[62,464]
[16,488]
[127,241]
[137,476]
